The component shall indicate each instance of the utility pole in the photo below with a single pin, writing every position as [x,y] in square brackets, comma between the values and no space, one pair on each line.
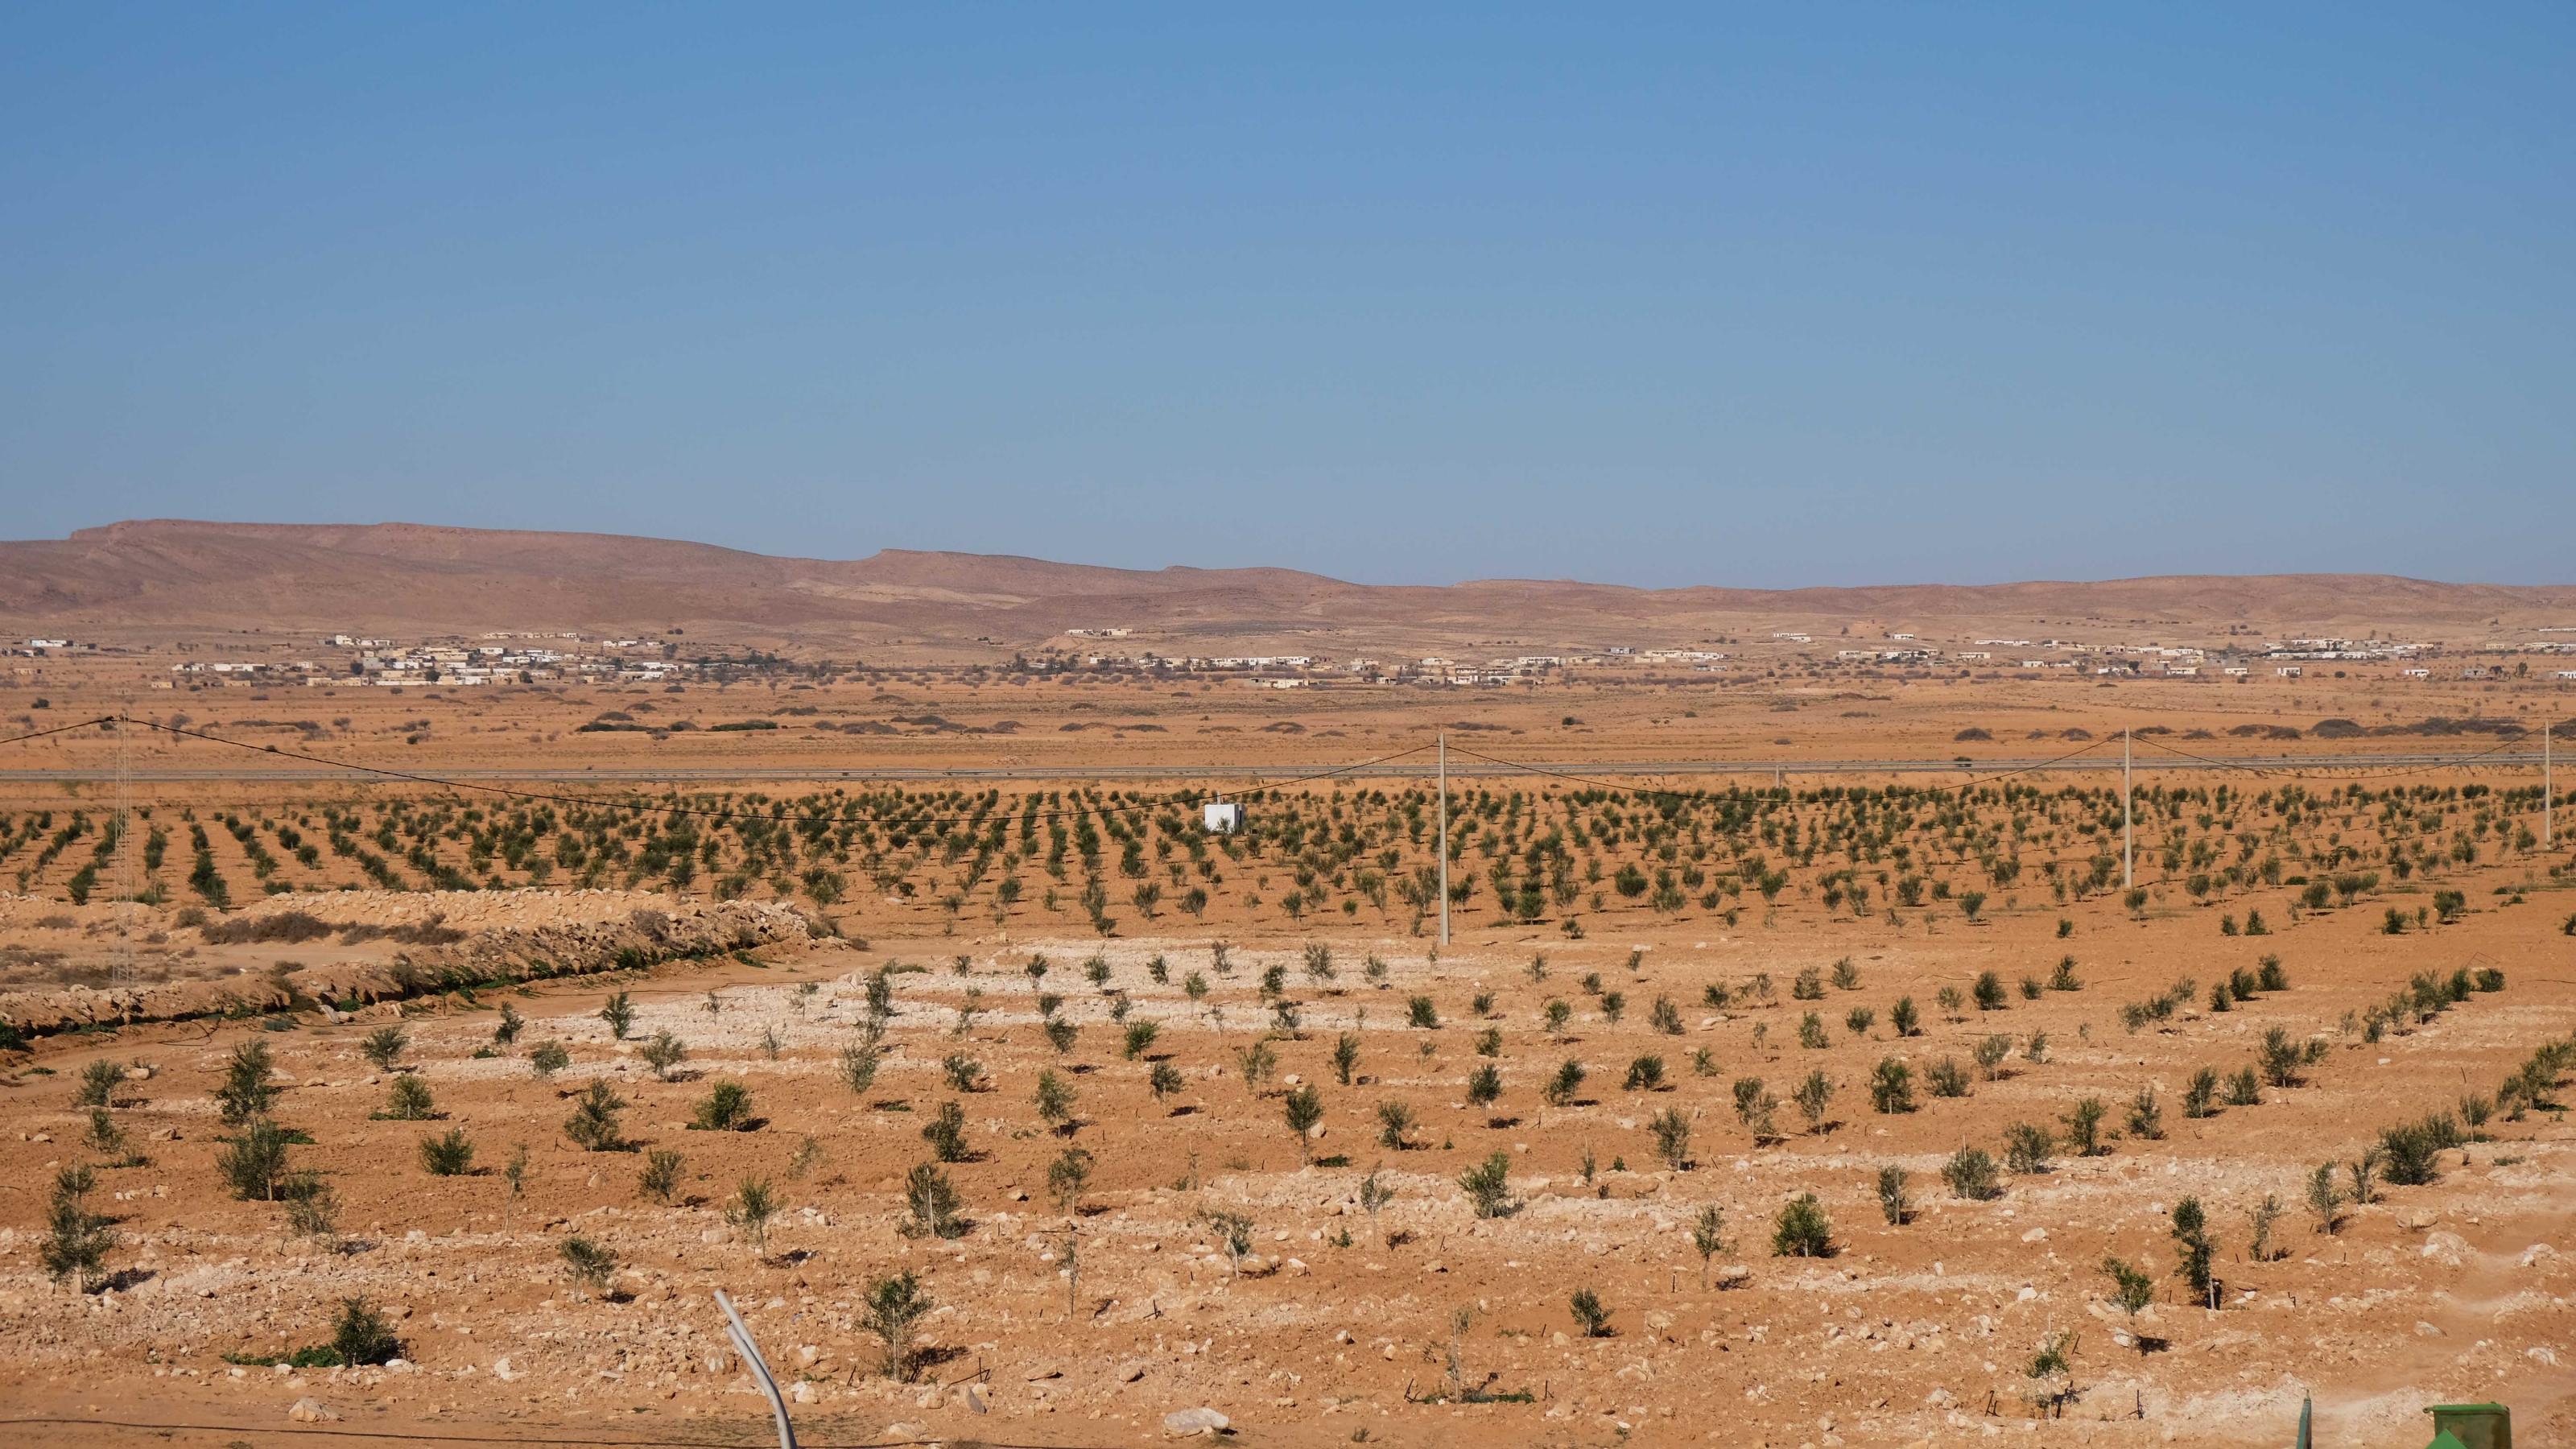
[127,886]
[1444,837]
[2128,836]
[2548,795]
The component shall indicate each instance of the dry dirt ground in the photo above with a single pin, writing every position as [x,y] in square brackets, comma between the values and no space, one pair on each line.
[1916,1331]
[1224,733]
[1340,1325]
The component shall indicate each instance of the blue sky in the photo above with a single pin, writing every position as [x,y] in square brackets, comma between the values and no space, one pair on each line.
[1765,296]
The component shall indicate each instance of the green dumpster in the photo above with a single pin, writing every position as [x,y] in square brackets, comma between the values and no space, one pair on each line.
[2471,1426]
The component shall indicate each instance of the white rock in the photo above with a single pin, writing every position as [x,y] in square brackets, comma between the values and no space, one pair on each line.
[310,1411]
[1195,1421]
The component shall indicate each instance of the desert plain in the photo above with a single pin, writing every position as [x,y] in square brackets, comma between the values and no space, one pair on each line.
[1763,1091]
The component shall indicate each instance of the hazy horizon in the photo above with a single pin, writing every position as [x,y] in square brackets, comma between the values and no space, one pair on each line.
[1292,566]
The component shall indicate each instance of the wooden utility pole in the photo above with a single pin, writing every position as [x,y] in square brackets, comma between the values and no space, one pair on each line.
[1444,837]
[128,885]
[2128,835]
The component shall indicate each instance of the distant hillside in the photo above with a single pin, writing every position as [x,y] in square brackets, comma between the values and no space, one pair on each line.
[412,578]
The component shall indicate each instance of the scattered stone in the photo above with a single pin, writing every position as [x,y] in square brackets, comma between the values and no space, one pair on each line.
[1195,1421]
[310,1411]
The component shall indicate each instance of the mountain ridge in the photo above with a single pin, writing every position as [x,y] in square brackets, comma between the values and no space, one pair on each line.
[394,575]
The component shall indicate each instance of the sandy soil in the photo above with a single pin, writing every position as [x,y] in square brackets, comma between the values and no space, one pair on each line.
[2440,1293]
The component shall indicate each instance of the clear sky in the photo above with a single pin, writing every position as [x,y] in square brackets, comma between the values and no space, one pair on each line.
[1758,295]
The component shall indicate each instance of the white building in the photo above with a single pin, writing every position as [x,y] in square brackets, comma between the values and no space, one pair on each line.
[1221,817]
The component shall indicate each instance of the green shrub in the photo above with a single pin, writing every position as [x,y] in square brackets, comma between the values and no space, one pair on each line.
[725,1108]
[946,1133]
[1671,1129]
[77,1240]
[2146,1116]
[362,1336]
[1990,1053]
[1802,1230]
[98,1083]
[1590,1314]
[1891,1087]
[587,1263]
[932,1204]
[253,1165]
[1488,1186]
[2083,1123]
[661,1176]
[2279,1058]
[1970,1173]
[662,1053]
[2200,1099]
[408,1100]
[247,1092]
[752,1206]
[894,1309]
[384,1046]
[2408,1152]
[448,1154]
[2194,1248]
[593,1123]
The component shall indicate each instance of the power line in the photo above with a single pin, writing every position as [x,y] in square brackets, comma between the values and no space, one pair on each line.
[2153,743]
[58,730]
[2452,764]
[1598,782]
[2295,772]
[1255,782]
[552,797]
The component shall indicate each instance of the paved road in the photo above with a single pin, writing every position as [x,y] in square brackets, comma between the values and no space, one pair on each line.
[1410,769]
